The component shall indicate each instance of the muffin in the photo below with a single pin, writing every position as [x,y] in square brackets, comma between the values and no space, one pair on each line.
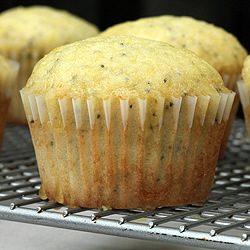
[125,122]
[244,92]
[8,73]
[27,34]
[218,47]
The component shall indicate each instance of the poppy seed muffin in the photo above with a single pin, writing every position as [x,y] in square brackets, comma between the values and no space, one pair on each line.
[125,122]
[215,45]
[8,73]
[28,33]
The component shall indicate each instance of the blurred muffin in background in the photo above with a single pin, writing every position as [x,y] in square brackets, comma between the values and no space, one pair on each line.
[8,74]
[28,33]
[126,122]
[215,45]
[244,92]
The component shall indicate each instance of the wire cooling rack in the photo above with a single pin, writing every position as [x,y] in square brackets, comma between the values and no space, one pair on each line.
[223,222]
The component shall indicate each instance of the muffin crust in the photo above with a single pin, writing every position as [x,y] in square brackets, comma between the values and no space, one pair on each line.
[40,28]
[123,66]
[215,45]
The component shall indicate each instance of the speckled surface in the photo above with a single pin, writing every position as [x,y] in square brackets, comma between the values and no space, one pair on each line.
[215,45]
[123,66]
[40,28]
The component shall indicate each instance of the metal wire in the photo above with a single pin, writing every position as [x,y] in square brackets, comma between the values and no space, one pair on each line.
[13,205]
[223,222]
[47,207]
[75,210]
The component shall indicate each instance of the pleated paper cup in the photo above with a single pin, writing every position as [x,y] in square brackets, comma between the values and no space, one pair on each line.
[6,90]
[127,153]
[244,93]
[16,114]
[230,81]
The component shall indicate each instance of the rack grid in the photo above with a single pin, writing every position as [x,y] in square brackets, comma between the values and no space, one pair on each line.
[222,222]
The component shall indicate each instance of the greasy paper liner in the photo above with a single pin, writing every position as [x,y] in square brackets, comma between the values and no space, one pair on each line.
[129,153]
[7,80]
[230,82]
[244,93]
[26,61]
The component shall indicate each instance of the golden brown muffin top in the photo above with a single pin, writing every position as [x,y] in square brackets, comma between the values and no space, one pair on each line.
[40,28]
[8,70]
[246,70]
[123,66]
[215,45]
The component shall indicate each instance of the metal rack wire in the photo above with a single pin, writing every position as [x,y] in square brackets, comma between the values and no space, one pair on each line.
[222,222]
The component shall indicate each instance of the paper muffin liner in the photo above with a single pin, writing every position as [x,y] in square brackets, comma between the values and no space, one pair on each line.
[26,61]
[244,93]
[230,82]
[6,86]
[130,153]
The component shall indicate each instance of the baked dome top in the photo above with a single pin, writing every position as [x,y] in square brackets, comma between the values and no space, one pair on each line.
[123,66]
[41,28]
[215,45]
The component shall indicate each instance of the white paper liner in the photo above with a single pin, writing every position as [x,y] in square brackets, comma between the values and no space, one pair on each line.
[107,112]
[231,80]
[225,107]
[176,107]
[205,100]
[124,107]
[228,107]
[222,105]
[77,112]
[33,106]
[191,102]
[63,108]
[124,112]
[142,111]
[37,105]
[41,106]
[22,96]
[26,104]
[244,93]
[51,118]
[91,111]
[177,115]
[26,63]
